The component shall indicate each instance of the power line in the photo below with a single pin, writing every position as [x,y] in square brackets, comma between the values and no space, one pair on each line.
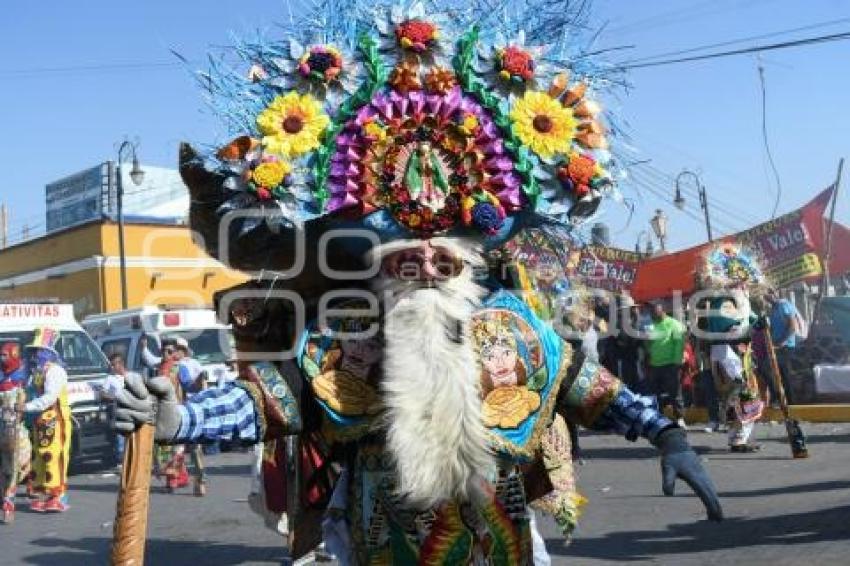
[701,10]
[12,73]
[691,211]
[767,142]
[754,49]
[729,209]
[740,40]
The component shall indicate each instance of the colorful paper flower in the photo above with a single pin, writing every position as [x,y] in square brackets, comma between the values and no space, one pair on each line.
[407,31]
[375,132]
[322,70]
[292,125]
[271,173]
[515,64]
[428,167]
[511,67]
[590,134]
[440,80]
[577,174]
[418,35]
[468,124]
[543,124]
[405,77]
[321,62]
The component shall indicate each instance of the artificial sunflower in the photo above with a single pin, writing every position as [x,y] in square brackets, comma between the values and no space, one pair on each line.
[543,124]
[292,124]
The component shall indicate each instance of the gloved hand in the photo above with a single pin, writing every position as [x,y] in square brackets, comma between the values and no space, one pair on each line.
[154,402]
[678,460]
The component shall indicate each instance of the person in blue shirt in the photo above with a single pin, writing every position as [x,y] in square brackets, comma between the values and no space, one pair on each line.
[783,332]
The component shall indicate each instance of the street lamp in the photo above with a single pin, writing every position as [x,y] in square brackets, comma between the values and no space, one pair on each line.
[659,226]
[649,249]
[137,175]
[679,200]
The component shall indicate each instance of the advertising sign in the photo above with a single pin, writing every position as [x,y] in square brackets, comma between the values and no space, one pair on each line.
[606,268]
[77,198]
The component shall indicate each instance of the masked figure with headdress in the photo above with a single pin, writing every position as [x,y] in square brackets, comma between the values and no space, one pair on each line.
[730,274]
[392,158]
[14,439]
[48,409]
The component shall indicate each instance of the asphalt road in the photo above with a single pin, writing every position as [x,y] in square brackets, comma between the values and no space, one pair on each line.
[779,511]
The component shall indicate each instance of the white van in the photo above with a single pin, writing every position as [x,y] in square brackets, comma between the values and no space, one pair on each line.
[85,364]
[210,341]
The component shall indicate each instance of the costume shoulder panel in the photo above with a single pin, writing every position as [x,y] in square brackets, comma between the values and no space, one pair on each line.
[522,362]
[342,365]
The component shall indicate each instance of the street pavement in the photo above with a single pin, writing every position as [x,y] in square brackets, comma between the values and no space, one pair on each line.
[779,511]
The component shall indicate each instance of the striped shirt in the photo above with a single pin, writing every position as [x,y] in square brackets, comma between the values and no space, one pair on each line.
[633,415]
[225,413]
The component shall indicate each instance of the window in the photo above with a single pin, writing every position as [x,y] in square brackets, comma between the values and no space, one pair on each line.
[209,346]
[118,346]
[80,354]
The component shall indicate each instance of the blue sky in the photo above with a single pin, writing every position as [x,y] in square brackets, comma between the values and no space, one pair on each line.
[705,116]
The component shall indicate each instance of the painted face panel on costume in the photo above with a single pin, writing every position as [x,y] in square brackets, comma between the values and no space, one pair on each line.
[342,365]
[508,353]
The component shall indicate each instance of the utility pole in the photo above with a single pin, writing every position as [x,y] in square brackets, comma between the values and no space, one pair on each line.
[4,226]
[828,252]
[679,200]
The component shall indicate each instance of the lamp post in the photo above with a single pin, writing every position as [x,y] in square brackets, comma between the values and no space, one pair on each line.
[649,249]
[137,175]
[659,226]
[679,200]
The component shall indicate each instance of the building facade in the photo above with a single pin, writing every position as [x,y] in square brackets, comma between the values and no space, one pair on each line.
[80,265]
[93,193]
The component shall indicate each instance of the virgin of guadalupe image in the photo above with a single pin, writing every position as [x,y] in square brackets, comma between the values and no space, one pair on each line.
[505,360]
[425,177]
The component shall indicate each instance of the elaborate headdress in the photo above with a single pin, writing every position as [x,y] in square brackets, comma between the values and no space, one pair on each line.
[413,119]
[45,338]
[729,265]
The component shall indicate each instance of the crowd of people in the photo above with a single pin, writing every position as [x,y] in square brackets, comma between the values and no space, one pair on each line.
[35,429]
[187,376]
[726,368]
[36,425]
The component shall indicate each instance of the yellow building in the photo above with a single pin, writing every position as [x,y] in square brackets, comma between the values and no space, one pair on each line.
[81,265]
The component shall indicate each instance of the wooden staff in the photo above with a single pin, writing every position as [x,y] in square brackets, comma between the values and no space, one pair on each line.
[131,517]
[796,438]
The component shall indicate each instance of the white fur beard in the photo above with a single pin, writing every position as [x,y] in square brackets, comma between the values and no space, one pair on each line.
[432,391]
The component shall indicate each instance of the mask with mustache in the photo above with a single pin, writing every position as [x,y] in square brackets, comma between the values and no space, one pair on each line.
[431,383]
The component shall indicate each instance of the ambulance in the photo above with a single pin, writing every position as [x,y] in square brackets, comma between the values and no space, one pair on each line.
[210,341]
[87,367]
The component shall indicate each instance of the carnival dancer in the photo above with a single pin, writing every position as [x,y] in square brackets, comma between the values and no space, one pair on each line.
[437,446]
[192,379]
[51,422]
[14,439]
[731,272]
[442,145]
[170,463]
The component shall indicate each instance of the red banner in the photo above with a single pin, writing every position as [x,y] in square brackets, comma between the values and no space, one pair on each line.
[790,247]
[607,268]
